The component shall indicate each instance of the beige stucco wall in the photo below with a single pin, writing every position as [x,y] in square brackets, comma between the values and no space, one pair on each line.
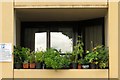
[0,22]
[113,38]
[119,38]
[68,73]
[8,35]
[0,37]
[60,3]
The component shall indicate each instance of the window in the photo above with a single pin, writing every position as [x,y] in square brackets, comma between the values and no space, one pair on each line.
[61,41]
[58,38]
[40,41]
[62,35]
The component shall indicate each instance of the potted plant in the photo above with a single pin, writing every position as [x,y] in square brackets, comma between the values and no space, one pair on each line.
[39,59]
[26,53]
[84,64]
[47,57]
[56,62]
[53,59]
[17,57]
[98,57]
[80,64]
[32,60]
[66,61]
[78,51]
[92,57]
[25,64]
[20,55]
[103,57]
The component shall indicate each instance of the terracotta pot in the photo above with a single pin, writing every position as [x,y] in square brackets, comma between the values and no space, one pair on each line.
[32,65]
[79,66]
[25,65]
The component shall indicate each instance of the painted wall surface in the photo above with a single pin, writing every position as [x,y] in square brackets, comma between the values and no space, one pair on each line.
[0,37]
[60,0]
[70,73]
[59,3]
[7,35]
[0,22]
[119,38]
[113,38]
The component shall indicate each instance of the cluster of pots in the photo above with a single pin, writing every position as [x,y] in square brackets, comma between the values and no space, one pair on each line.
[42,66]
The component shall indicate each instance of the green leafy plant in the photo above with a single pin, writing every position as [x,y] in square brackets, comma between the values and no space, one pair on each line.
[26,54]
[83,61]
[80,61]
[32,57]
[98,56]
[26,61]
[20,54]
[39,56]
[103,56]
[92,57]
[17,54]
[66,60]
[78,50]
[54,60]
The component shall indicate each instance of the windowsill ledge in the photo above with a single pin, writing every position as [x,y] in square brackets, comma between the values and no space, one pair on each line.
[64,73]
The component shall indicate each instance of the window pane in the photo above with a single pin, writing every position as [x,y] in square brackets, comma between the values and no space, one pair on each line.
[40,41]
[61,42]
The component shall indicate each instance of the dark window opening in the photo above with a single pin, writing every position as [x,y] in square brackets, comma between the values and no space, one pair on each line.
[62,35]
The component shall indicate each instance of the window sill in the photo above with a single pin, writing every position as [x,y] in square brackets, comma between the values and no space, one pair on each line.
[64,73]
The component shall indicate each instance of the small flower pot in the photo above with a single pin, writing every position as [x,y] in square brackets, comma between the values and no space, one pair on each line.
[44,66]
[70,65]
[66,67]
[39,65]
[85,66]
[74,65]
[32,65]
[96,66]
[92,66]
[25,65]
[79,66]
[17,65]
